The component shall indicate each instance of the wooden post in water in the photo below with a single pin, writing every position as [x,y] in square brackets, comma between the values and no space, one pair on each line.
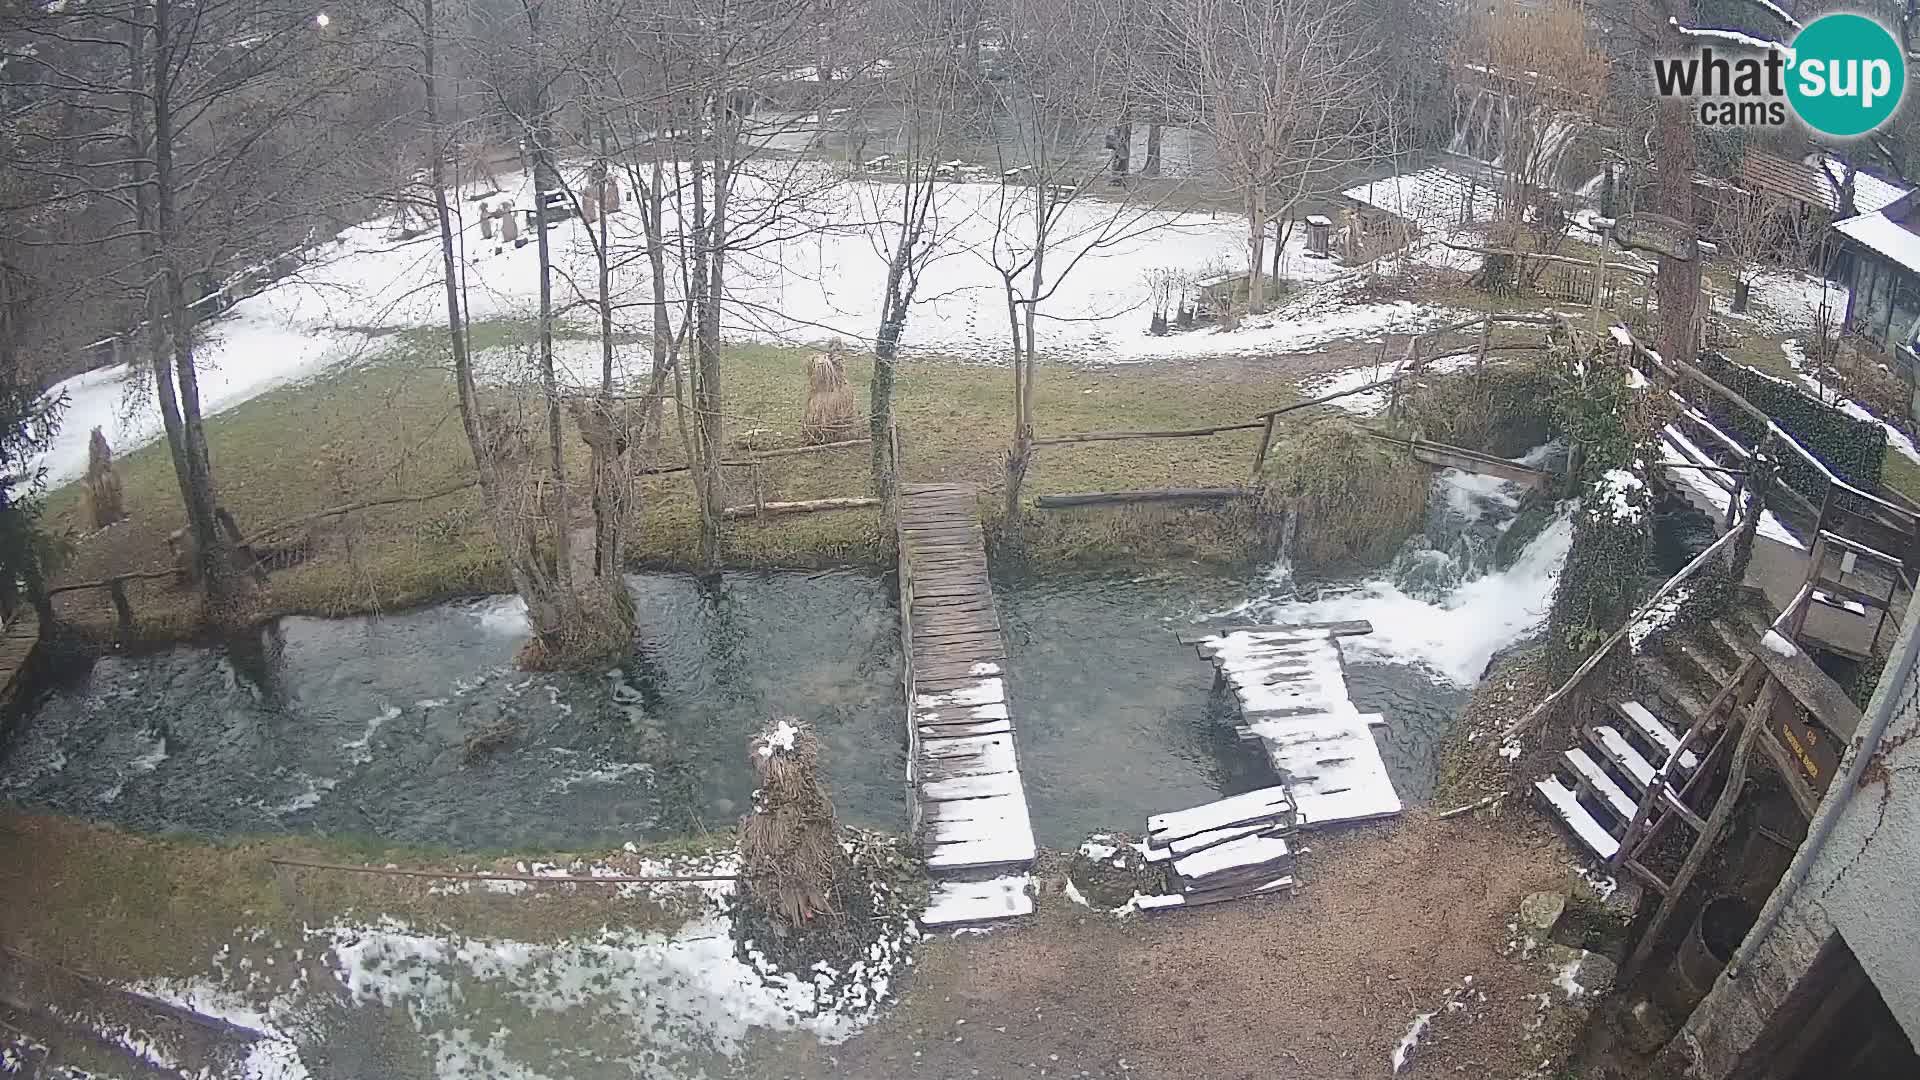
[122,607]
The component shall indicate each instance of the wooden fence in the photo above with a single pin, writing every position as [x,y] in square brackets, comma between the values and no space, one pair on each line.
[1421,352]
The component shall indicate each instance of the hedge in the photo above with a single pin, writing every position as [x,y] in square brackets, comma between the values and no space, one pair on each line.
[1852,448]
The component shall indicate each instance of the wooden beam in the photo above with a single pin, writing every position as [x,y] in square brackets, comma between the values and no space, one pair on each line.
[1757,715]
[802,507]
[1332,629]
[1095,498]
[1116,436]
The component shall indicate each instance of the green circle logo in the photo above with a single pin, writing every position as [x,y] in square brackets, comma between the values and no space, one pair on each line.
[1848,75]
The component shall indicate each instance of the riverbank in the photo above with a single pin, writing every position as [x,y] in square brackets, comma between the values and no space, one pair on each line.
[389,426]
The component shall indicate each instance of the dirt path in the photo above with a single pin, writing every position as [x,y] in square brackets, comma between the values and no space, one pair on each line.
[1321,986]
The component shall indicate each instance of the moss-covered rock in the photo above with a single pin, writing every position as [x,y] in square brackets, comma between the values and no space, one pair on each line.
[1503,409]
[1354,498]
[1109,870]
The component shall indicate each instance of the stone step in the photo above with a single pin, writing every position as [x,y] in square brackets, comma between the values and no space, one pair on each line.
[1676,688]
[1737,644]
[1616,751]
[1565,805]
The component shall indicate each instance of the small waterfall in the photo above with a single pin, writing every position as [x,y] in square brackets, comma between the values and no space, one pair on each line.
[1440,605]
[1484,117]
[1474,134]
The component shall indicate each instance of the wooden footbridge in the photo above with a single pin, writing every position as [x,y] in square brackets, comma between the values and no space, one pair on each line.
[967,804]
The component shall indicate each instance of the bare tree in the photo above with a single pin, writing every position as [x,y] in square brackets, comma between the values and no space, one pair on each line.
[1287,90]
[1750,229]
[1062,61]
[1550,78]
[203,124]
[932,87]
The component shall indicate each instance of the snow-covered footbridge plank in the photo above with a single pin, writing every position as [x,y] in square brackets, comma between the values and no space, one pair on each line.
[968,806]
[1292,692]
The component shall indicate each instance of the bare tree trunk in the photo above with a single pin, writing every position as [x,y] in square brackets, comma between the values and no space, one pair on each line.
[886,349]
[653,207]
[510,537]
[609,508]
[172,322]
[546,179]
[1151,166]
[1257,248]
[1677,283]
[706,459]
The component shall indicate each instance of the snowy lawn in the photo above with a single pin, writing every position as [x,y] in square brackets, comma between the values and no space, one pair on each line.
[390,427]
[814,272]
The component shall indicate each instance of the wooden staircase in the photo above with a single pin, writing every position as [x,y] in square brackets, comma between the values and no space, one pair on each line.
[1600,786]
[1644,764]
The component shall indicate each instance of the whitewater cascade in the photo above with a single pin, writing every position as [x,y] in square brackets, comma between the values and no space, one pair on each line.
[1483,117]
[1441,605]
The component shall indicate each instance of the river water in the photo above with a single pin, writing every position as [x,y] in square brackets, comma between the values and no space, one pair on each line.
[361,727]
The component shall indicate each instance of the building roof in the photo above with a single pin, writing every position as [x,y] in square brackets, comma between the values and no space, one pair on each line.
[1881,233]
[1815,181]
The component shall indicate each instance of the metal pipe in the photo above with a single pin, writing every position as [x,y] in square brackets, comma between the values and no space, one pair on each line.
[1886,698]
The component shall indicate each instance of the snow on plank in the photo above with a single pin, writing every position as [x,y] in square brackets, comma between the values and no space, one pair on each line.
[972,787]
[989,808]
[988,691]
[1177,900]
[1232,855]
[1657,733]
[1332,767]
[955,731]
[954,903]
[1266,804]
[962,714]
[1008,848]
[1568,809]
[1187,845]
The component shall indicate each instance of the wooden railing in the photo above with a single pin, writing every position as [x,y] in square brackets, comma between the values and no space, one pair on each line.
[1413,363]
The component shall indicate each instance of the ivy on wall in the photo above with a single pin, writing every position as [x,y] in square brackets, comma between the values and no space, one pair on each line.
[1852,448]
[1608,423]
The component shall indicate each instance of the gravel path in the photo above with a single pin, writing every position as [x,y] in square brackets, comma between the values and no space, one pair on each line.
[1319,987]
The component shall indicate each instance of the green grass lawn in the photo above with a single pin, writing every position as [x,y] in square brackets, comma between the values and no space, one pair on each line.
[391,426]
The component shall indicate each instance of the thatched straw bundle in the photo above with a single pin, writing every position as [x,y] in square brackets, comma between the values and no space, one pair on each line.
[830,413]
[101,488]
[790,854]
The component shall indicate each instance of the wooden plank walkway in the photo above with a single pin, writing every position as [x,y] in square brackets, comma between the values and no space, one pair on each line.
[1292,692]
[17,646]
[967,805]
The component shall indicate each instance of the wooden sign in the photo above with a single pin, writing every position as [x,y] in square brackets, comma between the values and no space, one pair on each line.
[1811,747]
[1657,233]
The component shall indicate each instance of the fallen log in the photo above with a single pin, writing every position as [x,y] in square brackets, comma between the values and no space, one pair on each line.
[804,506]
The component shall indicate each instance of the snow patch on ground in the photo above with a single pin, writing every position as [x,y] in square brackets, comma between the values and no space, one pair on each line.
[1403,1050]
[1896,438]
[645,1004]
[1781,302]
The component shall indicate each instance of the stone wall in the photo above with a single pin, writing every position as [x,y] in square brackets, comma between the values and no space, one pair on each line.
[1860,884]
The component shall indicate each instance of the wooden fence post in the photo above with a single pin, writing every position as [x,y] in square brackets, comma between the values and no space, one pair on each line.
[122,607]
[759,495]
[1266,441]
